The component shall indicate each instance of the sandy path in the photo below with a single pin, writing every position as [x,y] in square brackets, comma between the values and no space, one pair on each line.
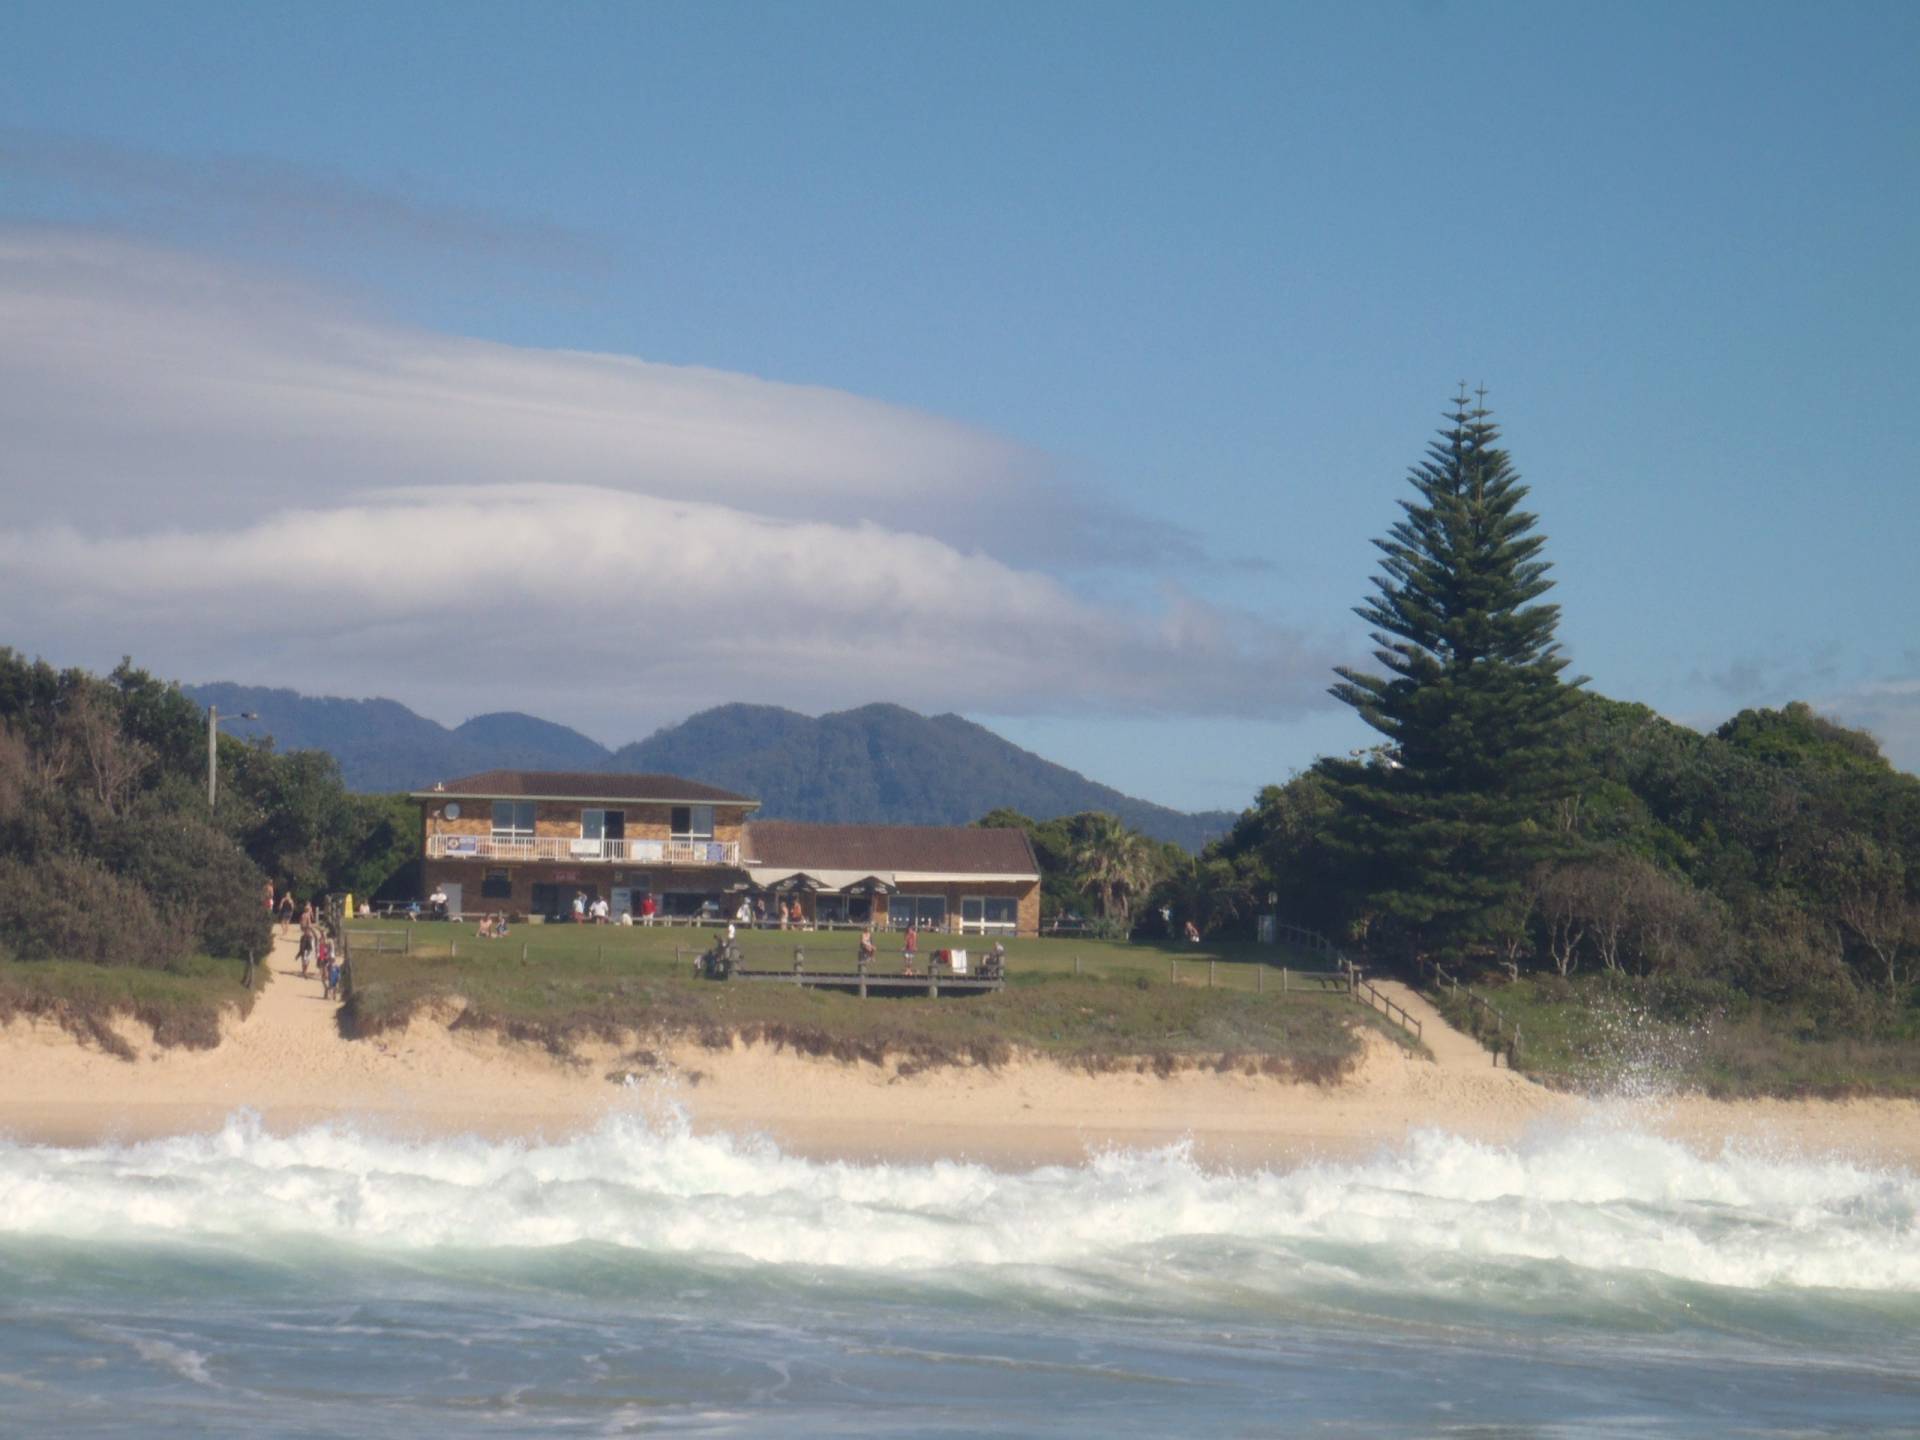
[1452,1049]
[287,1062]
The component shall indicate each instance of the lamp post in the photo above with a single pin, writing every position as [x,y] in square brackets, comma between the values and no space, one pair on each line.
[213,746]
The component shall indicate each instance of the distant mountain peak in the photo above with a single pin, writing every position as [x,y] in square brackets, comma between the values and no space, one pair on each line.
[878,763]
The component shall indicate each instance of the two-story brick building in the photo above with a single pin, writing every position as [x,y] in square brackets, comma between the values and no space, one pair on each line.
[527,842]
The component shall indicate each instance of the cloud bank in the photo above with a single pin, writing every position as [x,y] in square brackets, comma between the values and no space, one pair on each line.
[229,476]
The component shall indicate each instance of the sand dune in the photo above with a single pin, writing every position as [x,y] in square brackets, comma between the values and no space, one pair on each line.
[287,1062]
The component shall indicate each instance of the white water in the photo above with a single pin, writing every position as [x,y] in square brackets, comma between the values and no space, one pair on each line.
[1601,1201]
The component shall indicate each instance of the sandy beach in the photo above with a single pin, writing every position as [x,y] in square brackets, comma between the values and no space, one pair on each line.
[287,1062]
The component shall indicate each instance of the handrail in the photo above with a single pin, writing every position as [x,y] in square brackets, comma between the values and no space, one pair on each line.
[1359,984]
[1501,1024]
[1359,988]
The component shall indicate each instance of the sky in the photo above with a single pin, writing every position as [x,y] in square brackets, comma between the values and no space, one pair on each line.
[1052,364]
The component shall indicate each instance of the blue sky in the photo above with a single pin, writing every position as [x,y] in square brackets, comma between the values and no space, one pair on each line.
[1110,328]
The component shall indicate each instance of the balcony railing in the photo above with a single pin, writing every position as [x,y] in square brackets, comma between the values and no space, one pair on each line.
[583,852]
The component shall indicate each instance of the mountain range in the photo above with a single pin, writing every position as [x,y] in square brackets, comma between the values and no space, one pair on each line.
[879,764]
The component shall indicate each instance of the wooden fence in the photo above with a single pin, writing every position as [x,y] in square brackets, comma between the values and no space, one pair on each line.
[1506,1034]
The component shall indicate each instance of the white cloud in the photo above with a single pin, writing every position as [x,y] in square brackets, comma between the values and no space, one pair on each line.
[228,477]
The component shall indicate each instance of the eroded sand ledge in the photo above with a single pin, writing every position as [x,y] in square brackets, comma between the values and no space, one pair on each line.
[286,1063]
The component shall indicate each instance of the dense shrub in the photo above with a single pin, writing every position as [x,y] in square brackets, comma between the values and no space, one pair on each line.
[63,907]
[195,870]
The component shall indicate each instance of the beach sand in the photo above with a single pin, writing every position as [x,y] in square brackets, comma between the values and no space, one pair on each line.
[287,1063]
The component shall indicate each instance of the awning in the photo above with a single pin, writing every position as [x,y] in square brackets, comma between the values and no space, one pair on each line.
[775,877]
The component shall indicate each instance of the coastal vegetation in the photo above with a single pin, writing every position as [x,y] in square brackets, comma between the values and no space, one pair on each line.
[1756,888]
[121,892]
[1091,1004]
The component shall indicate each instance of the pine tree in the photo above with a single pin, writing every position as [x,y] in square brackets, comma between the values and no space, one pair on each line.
[1444,822]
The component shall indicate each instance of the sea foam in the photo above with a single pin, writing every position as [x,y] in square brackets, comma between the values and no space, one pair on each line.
[1603,1199]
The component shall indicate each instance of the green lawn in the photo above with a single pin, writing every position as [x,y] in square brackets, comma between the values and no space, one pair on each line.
[1603,1033]
[1128,1004]
[182,1005]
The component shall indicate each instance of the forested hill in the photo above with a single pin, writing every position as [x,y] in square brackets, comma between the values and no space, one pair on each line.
[880,764]
[885,764]
[382,745]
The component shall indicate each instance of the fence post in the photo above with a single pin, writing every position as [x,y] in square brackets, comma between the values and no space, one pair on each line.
[1283,979]
[523,952]
[1173,971]
[1210,965]
[409,934]
[453,949]
[1076,966]
[1260,980]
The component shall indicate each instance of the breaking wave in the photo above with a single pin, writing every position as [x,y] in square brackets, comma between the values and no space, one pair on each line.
[1599,1202]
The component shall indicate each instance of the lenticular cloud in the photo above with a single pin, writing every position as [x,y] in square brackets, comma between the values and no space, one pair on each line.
[226,475]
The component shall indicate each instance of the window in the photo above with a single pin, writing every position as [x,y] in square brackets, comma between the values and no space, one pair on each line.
[692,822]
[546,901]
[603,824]
[927,912]
[513,820]
[989,914]
[498,885]
[843,909]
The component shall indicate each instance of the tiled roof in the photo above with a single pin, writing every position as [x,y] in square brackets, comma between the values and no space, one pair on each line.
[916,849]
[585,785]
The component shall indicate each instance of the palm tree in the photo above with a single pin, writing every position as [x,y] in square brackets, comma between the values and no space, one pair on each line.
[1112,863]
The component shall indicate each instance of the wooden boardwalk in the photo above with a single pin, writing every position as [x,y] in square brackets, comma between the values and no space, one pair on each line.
[868,982]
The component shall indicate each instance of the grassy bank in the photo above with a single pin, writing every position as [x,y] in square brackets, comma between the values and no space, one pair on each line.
[1603,1033]
[1094,1004]
[182,1005]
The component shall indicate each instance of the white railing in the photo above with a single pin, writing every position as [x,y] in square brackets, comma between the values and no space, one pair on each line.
[583,852]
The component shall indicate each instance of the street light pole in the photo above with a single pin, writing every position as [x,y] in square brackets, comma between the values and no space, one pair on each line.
[213,747]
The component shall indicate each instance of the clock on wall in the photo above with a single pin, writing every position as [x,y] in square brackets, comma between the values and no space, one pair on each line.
[453,810]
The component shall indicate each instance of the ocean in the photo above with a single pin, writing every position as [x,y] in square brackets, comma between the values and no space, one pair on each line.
[639,1279]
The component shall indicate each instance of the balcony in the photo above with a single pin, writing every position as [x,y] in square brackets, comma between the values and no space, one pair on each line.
[561,850]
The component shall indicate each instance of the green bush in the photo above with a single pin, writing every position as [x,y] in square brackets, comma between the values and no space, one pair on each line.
[62,907]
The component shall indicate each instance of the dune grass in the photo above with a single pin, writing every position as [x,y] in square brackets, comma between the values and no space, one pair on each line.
[182,1005]
[1602,1033]
[1128,1006]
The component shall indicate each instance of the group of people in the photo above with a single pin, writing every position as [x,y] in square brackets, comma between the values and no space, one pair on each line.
[783,914]
[909,947]
[319,955]
[493,926]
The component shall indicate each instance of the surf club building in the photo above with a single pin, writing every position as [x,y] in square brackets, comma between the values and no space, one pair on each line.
[526,842]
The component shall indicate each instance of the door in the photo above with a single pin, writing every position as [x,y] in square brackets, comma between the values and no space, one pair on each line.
[453,901]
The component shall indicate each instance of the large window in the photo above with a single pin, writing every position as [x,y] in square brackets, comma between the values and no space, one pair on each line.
[692,822]
[513,819]
[843,909]
[927,912]
[498,885]
[989,915]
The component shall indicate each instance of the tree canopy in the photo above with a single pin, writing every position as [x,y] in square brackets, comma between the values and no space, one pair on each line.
[1446,817]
